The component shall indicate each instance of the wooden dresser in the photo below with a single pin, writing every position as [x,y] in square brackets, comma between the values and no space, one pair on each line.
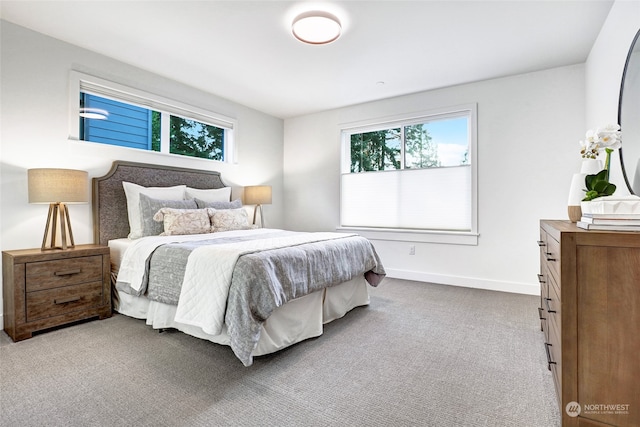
[590,315]
[45,289]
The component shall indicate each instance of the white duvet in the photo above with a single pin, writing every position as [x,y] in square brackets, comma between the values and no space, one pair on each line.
[209,269]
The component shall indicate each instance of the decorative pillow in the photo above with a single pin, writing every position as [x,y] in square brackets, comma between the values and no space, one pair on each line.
[183,221]
[133,191]
[210,195]
[149,207]
[229,219]
[219,205]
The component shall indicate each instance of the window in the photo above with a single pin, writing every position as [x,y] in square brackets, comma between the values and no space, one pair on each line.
[408,178]
[108,113]
[111,122]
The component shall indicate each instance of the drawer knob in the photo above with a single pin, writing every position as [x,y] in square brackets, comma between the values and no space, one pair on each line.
[540,277]
[66,300]
[548,256]
[67,272]
[541,243]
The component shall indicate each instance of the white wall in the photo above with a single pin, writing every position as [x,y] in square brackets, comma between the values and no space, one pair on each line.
[528,132]
[34,106]
[603,72]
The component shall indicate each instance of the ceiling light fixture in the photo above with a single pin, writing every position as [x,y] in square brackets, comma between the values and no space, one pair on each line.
[316,27]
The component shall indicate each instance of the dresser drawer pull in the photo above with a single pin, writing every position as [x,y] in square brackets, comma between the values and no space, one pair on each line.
[549,361]
[540,310]
[540,277]
[541,243]
[548,256]
[546,300]
[66,301]
[67,272]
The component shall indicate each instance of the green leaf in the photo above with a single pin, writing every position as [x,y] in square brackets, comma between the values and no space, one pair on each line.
[610,189]
[590,195]
[598,185]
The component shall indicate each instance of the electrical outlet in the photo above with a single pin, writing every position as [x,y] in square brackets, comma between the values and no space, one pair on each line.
[412,250]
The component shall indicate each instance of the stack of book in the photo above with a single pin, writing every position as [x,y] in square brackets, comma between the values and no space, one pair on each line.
[610,222]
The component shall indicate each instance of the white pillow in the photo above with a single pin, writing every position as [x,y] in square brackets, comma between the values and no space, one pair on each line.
[132,191]
[183,221]
[210,195]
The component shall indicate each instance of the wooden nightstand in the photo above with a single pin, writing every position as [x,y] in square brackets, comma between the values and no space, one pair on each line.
[44,289]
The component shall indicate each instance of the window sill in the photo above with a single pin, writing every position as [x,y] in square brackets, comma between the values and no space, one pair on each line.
[424,236]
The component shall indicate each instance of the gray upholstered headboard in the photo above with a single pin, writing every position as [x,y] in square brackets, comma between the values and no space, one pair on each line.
[110,219]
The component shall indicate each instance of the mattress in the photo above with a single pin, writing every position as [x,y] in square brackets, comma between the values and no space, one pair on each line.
[117,249]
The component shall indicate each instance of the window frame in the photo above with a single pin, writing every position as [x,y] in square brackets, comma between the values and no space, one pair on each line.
[81,82]
[416,235]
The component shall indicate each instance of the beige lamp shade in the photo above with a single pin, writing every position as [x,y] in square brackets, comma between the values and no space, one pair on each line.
[58,186]
[257,195]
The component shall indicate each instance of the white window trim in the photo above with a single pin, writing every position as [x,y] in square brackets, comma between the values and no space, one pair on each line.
[409,235]
[421,236]
[97,86]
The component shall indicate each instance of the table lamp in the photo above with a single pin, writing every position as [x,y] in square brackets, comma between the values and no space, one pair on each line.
[257,195]
[58,187]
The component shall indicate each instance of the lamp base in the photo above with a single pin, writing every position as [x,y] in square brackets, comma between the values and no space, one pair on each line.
[255,211]
[58,213]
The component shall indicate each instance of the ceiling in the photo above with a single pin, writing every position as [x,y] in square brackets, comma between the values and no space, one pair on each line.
[244,50]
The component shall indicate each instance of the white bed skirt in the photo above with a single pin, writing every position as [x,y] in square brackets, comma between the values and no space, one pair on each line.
[297,320]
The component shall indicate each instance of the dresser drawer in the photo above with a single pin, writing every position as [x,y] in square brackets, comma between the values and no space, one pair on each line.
[552,301]
[58,301]
[63,272]
[552,257]
[544,294]
[555,352]
[542,243]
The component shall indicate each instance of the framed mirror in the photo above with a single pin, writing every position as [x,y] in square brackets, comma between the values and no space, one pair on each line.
[629,118]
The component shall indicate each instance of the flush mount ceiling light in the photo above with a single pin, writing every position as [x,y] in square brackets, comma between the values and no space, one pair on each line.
[316,27]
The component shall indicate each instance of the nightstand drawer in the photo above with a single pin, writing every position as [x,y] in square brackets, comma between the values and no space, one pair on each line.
[54,302]
[63,272]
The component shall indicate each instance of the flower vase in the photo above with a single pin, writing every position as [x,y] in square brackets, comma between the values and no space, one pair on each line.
[590,166]
[577,188]
[576,194]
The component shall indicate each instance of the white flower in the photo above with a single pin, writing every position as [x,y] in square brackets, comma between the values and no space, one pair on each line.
[597,140]
[612,128]
[609,137]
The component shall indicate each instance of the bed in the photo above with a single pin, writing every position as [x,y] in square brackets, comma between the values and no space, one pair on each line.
[266,290]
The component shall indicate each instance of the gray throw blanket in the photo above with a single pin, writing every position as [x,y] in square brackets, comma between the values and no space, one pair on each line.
[263,281]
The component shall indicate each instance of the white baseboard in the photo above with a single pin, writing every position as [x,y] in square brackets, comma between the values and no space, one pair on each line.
[1,322]
[467,282]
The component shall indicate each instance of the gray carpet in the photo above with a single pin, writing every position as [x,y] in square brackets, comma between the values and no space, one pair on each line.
[419,355]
